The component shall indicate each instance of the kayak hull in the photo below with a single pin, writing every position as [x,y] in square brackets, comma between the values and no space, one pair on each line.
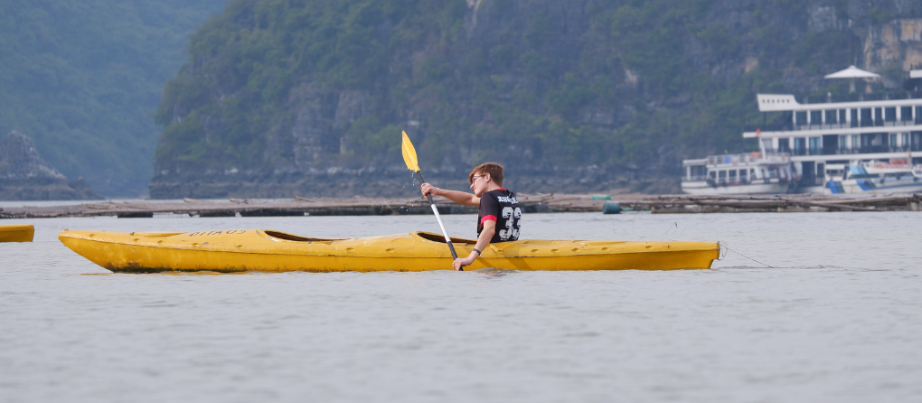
[273,251]
[16,233]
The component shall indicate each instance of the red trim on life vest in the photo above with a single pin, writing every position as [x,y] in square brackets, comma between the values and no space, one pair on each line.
[488,217]
[501,189]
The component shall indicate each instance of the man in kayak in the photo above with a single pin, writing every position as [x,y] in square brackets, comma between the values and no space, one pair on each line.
[499,217]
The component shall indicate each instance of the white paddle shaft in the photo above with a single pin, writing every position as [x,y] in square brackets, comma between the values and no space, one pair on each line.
[442,226]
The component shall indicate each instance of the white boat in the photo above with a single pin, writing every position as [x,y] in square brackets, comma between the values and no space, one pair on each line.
[859,127]
[753,173]
[833,130]
[896,176]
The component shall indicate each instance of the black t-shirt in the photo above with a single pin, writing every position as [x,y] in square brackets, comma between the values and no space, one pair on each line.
[500,205]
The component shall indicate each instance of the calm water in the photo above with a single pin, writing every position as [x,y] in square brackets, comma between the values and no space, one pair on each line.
[836,318]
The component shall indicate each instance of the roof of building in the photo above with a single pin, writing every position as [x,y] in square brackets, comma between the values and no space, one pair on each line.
[853,72]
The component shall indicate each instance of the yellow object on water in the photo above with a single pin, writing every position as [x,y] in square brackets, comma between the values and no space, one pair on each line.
[16,233]
[274,251]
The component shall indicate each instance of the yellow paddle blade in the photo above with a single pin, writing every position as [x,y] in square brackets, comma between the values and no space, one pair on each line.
[409,153]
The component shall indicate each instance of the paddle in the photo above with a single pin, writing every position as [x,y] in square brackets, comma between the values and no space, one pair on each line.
[409,156]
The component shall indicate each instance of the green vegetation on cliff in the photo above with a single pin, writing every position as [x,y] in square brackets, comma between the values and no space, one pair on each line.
[248,60]
[82,79]
[294,85]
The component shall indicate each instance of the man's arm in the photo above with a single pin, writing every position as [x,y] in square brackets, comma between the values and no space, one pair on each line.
[489,228]
[464,198]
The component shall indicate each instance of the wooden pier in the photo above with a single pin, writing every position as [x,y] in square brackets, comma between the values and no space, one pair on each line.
[532,203]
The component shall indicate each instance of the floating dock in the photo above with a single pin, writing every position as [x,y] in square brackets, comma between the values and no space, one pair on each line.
[532,203]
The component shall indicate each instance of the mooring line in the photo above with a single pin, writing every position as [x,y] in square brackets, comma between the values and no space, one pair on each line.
[724,246]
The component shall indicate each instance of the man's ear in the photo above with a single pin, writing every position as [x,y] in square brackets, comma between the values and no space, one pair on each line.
[486,177]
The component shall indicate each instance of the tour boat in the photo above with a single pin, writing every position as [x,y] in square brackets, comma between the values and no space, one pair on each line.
[753,173]
[836,129]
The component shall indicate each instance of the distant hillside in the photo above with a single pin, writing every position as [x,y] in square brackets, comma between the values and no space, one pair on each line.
[283,91]
[83,78]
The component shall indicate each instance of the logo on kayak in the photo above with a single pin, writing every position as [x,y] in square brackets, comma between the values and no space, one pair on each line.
[228,232]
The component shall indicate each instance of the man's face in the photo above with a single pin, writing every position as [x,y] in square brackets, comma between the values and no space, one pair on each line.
[480,183]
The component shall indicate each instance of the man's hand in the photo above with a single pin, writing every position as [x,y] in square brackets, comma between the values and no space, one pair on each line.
[463,261]
[429,189]
[489,228]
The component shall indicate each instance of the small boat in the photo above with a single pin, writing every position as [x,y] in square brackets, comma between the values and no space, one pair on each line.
[896,176]
[16,233]
[753,173]
[273,251]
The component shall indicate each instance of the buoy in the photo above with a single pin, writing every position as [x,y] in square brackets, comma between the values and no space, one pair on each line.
[611,208]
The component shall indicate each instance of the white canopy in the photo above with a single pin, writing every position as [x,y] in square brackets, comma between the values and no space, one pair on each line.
[853,72]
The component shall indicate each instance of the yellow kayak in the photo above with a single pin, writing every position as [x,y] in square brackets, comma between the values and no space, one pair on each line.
[16,233]
[274,251]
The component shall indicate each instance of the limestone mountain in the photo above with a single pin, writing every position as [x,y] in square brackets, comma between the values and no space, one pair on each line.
[286,97]
[24,175]
[82,78]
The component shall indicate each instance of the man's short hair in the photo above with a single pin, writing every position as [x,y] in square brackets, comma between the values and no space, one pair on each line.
[495,170]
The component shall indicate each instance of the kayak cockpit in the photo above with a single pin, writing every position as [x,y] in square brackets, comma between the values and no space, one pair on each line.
[155,234]
[297,238]
[441,239]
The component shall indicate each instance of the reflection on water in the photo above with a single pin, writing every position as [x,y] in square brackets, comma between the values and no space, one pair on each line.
[835,318]
[492,272]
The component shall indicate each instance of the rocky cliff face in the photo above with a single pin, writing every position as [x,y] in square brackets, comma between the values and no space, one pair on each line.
[571,95]
[24,175]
